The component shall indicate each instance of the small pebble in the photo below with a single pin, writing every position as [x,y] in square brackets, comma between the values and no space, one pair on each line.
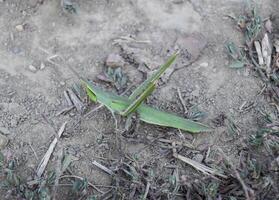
[72,114]
[42,66]
[19,28]
[32,68]
[4,131]
[198,158]
[62,83]
[114,60]
[196,92]
[203,147]
[246,72]
[189,136]
[204,64]
[16,50]
[3,141]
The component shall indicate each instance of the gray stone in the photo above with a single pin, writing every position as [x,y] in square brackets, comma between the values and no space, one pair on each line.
[204,64]
[32,68]
[3,141]
[114,60]
[4,131]
[19,28]
[198,158]
[42,66]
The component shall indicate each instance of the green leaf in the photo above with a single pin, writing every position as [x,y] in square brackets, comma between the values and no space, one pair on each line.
[172,180]
[12,164]
[12,178]
[91,198]
[80,185]
[195,114]
[233,50]
[51,178]
[237,64]
[44,194]
[136,103]
[28,194]
[66,161]
[91,95]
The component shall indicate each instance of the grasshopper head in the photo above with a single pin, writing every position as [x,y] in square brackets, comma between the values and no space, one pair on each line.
[91,94]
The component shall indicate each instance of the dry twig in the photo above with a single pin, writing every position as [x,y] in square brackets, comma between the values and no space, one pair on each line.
[182,101]
[76,101]
[249,193]
[42,165]
[102,167]
[80,178]
[205,169]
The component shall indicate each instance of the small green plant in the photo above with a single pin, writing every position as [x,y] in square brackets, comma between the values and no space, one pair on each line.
[68,6]
[211,190]
[237,55]
[117,77]
[253,25]
[80,186]
[37,189]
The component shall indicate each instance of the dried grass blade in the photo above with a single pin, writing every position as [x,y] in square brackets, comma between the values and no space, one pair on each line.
[200,167]
[42,165]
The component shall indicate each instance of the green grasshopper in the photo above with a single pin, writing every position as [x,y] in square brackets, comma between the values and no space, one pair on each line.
[125,106]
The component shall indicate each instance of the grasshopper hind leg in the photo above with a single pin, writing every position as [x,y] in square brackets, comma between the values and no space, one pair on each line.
[115,120]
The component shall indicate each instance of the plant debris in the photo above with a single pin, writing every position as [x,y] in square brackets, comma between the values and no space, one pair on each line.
[68,6]
[42,166]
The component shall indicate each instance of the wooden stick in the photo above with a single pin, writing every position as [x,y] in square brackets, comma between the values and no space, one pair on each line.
[259,52]
[182,101]
[68,99]
[102,167]
[146,191]
[249,192]
[199,166]
[65,111]
[184,143]
[80,178]
[42,165]
[76,101]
